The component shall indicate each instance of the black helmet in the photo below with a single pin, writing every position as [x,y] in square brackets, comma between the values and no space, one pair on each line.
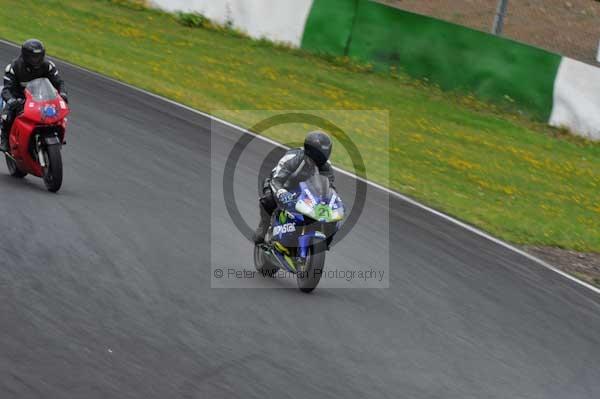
[33,53]
[317,145]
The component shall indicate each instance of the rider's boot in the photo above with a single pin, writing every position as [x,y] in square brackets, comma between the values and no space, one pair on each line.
[263,226]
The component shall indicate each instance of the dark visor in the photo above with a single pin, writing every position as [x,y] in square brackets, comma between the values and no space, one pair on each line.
[35,59]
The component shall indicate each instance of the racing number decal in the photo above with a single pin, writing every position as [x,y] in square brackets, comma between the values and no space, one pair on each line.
[323,212]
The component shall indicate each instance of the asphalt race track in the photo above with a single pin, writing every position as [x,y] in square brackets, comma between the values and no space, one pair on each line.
[105,288]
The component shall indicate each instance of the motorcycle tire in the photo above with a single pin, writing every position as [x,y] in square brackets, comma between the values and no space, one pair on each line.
[315,262]
[13,169]
[262,263]
[53,173]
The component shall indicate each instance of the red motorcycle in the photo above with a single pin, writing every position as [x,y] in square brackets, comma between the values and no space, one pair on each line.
[37,135]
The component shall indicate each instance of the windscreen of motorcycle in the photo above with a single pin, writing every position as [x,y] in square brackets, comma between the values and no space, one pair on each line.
[319,186]
[41,90]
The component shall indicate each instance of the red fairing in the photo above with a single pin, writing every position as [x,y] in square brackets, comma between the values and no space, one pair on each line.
[37,115]
[33,110]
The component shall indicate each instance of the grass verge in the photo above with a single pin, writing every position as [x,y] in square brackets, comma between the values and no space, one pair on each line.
[517,179]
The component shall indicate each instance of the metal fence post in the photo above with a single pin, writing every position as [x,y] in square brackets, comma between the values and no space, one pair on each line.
[499,19]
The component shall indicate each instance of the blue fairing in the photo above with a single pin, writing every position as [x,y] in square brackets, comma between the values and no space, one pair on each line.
[304,242]
[285,227]
[316,211]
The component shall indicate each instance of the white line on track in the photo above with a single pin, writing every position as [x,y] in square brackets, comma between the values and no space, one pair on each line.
[352,175]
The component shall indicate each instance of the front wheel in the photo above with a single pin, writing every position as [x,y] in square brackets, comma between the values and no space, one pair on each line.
[53,172]
[13,169]
[309,278]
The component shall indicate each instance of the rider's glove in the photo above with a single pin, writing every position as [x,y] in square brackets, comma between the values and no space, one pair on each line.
[284,196]
[14,103]
[64,97]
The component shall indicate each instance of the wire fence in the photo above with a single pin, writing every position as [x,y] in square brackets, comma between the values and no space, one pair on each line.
[570,28]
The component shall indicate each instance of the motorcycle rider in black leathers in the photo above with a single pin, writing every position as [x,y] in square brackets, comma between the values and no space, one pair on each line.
[31,64]
[297,165]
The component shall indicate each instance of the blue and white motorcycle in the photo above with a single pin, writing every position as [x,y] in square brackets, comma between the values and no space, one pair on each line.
[300,233]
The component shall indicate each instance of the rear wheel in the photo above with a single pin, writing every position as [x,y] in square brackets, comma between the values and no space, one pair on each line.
[262,263]
[13,169]
[315,262]
[53,173]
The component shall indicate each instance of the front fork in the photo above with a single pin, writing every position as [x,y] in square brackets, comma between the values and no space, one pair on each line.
[39,152]
[305,241]
[40,145]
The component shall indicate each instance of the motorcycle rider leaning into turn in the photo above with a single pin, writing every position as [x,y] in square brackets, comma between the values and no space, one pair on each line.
[297,165]
[30,65]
